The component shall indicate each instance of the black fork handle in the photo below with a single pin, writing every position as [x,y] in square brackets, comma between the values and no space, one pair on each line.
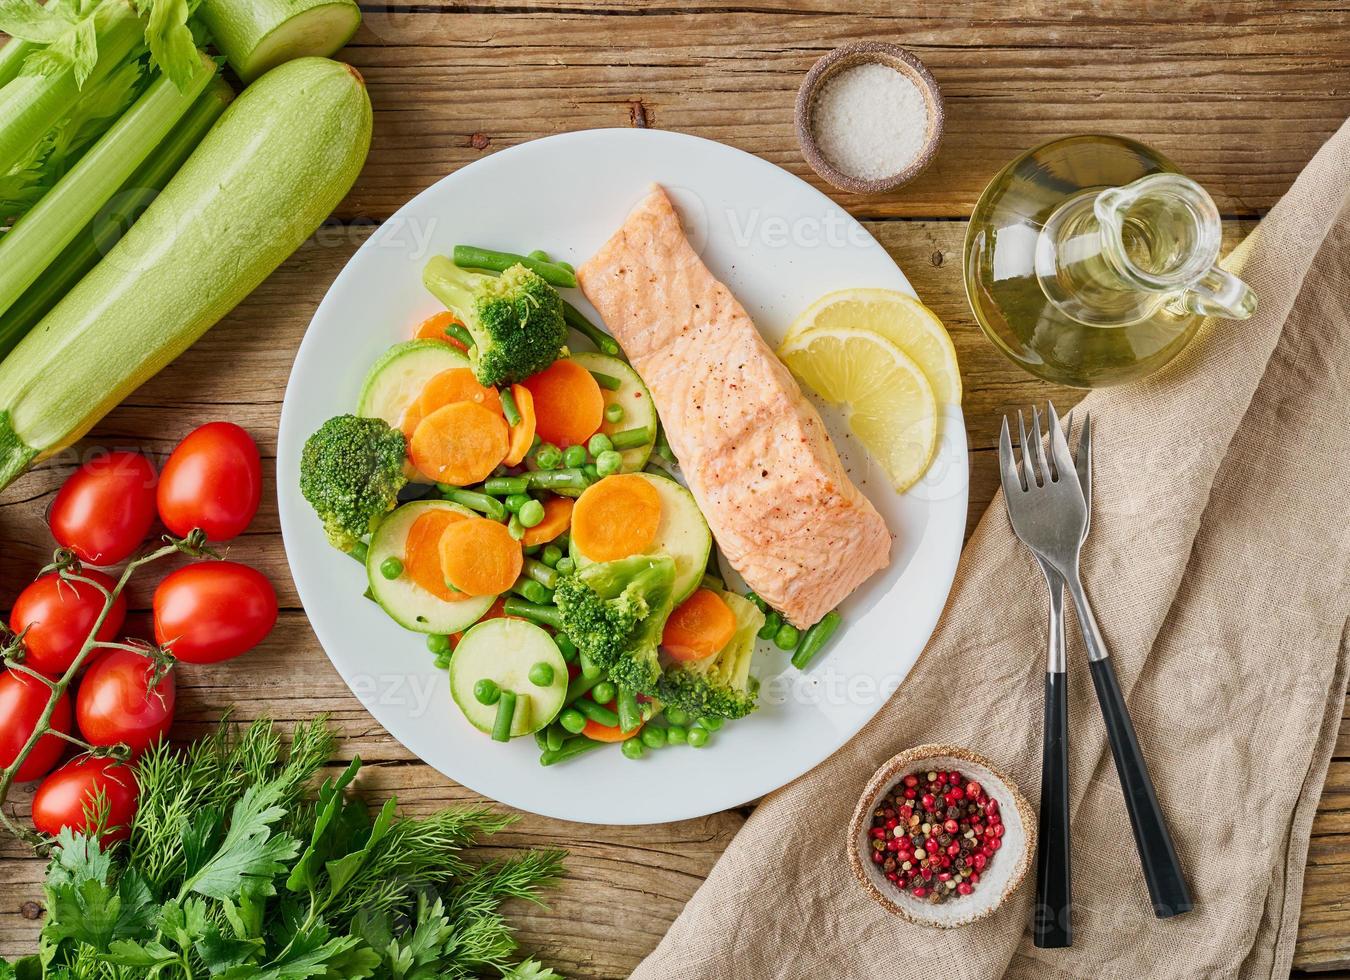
[1052,926]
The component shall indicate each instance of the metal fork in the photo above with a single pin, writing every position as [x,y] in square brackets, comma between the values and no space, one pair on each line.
[1052,925]
[1049,514]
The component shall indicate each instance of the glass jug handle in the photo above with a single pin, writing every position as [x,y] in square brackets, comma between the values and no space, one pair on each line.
[1219,293]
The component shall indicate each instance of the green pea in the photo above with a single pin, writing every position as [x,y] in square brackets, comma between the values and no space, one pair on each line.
[359,551]
[550,555]
[486,691]
[771,623]
[677,716]
[531,513]
[547,456]
[515,528]
[573,720]
[608,463]
[599,444]
[711,722]
[442,661]
[614,413]
[565,566]
[391,568]
[634,749]
[591,471]
[604,692]
[541,674]
[787,636]
[653,737]
[697,737]
[676,735]
[517,501]
[438,643]
[574,456]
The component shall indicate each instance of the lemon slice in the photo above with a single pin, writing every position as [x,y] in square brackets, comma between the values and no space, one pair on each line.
[891,406]
[902,320]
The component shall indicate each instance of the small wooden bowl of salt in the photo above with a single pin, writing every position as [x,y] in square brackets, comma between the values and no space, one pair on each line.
[869,117]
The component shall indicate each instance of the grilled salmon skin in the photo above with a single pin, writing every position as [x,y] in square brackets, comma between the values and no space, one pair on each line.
[752,448]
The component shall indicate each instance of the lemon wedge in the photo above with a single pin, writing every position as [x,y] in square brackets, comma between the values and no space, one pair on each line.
[891,405]
[902,320]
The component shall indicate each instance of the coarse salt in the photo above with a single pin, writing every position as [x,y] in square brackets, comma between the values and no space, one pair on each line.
[870,121]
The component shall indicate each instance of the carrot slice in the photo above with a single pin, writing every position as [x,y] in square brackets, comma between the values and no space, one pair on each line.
[457,385]
[616,517]
[699,627]
[459,444]
[422,553]
[557,519]
[607,733]
[522,434]
[567,402]
[479,557]
[433,328]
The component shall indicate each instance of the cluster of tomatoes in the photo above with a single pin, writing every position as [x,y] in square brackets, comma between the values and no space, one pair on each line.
[205,612]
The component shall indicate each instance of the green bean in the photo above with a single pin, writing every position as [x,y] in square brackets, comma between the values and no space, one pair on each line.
[486,691]
[541,674]
[630,716]
[604,692]
[760,604]
[541,572]
[786,638]
[599,443]
[566,479]
[516,501]
[472,257]
[614,413]
[676,735]
[509,409]
[461,333]
[592,473]
[566,647]
[677,716]
[528,588]
[597,713]
[771,623]
[606,381]
[633,749]
[573,747]
[814,639]
[661,446]
[574,456]
[391,568]
[713,582]
[489,507]
[653,736]
[547,456]
[541,739]
[368,595]
[531,513]
[539,255]
[631,438]
[438,643]
[711,722]
[515,528]
[564,264]
[697,737]
[506,713]
[603,342]
[566,566]
[578,686]
[608,463]
[442,660]
[531,550]
[504,486]
[360,551]
[534,612]
[554,738]
[549,556]
[572,720]
[589,668]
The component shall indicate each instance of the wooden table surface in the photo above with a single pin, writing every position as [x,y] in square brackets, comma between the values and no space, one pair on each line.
[1239,94]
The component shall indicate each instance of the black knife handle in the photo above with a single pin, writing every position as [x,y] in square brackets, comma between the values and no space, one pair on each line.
[1162,870]
[1052,927]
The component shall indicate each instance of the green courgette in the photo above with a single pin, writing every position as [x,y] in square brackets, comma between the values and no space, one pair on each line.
[272,168]
[257,35]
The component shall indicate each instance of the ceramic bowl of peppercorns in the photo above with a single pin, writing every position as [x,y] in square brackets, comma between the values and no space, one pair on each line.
[941,837]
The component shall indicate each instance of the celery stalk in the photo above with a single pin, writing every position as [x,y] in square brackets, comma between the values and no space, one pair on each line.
[12,57]
[29,104]
[49,226]
[112,222]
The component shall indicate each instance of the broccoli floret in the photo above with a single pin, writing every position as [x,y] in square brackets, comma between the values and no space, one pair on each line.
[515,319]
[720,685]
[351,471]
[615,611]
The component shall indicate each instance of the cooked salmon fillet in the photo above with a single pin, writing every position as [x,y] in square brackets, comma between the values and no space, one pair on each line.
[752,449]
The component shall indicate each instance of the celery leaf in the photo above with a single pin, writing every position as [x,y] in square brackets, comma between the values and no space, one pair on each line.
[170,39]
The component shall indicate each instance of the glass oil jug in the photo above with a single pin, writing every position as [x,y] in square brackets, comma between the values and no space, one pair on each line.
[1090,261]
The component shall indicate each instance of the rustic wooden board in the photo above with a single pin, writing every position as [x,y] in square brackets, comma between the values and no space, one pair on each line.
[1240,94]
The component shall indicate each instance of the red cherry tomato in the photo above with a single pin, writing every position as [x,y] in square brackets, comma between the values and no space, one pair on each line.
[213,610]
[58,615]
[116,704]
[213,480]
[63,797]
[22,701]
[104,511]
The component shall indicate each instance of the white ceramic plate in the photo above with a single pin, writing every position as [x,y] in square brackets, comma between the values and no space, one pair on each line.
[778,244]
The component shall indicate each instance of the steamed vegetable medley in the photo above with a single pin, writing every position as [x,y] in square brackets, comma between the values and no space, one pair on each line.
[503,494]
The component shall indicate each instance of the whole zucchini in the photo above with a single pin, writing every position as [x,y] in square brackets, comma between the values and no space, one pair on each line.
[267,174]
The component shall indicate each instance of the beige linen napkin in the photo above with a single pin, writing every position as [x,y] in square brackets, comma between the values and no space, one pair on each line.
[1218,562]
